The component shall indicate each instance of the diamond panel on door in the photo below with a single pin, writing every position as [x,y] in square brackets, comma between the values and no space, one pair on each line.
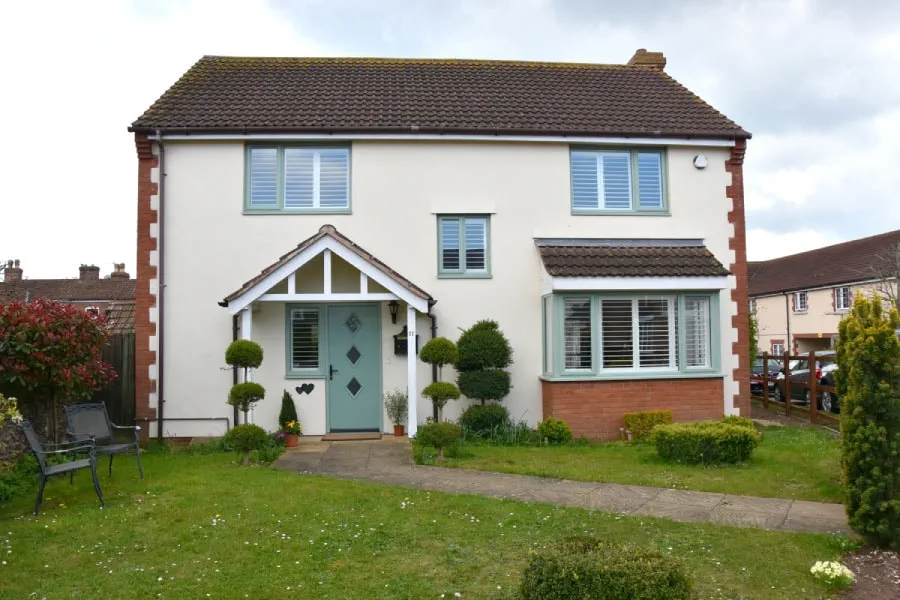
[353,386]
[353,323]
[353,355]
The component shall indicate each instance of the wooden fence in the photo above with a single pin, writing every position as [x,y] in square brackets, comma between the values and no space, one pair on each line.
[811,383]
[119,395]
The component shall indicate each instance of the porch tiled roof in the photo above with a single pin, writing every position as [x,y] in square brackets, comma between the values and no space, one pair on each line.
[330,231]
[628,258]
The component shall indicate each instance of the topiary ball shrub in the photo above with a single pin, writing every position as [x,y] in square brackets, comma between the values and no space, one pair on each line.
[554,431]
[640,424]
[441,392]
[585,567]
[483,346]
[245,395]
[246,439]
[438,436]
[706,442]
[739,421]
[438,351]
[245,354]
[491,384]
[481,419]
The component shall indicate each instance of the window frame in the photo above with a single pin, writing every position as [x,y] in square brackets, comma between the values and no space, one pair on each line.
[290,371]
[797,296]
[753,306]
[279,208]
[557,360]
[463,272]
[778,345]
[661,211]
[838,296]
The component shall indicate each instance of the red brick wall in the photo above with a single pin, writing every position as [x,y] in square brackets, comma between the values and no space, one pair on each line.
[144,328]
[738,243]
[595,409]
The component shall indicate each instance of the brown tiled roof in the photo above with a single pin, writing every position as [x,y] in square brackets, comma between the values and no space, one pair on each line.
[68,290]
[330,231]
[628,258]
[377,95]
[849,262]
[120,317]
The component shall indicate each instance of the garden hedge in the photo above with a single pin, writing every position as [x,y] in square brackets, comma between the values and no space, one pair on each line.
[586,567]
[707,442]
[554,431]
[640,424]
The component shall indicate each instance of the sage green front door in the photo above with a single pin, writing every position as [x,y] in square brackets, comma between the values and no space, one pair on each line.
[354,367]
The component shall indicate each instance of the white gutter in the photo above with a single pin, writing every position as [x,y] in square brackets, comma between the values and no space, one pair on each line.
[610,141]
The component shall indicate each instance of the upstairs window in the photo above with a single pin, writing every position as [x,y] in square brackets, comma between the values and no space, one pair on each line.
[801,302]
[753,305]
[463,246]
[842,298]
[614,181]
[297,179]
[777,348]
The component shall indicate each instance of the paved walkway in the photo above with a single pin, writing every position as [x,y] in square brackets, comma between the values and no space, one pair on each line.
[390,462]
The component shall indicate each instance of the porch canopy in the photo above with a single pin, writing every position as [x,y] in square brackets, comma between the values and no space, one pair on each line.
[329,242]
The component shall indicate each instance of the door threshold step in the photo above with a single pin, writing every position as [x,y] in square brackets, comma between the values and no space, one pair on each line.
[350,437]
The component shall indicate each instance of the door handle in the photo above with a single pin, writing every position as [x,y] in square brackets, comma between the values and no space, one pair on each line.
[331,372]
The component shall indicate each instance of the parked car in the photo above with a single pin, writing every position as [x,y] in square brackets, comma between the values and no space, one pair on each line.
[773,368]
[825,366]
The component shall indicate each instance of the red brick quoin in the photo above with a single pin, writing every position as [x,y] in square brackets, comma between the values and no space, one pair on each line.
[144,301]
[595,409]
[738,243]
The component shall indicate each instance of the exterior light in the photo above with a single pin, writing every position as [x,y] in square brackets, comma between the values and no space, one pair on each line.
[393,307]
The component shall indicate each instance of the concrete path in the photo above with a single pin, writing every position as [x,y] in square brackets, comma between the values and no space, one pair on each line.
[390,462]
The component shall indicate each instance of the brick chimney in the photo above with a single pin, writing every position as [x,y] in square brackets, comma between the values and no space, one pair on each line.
[88,272]
[649,60]
[13,271]
[119,272]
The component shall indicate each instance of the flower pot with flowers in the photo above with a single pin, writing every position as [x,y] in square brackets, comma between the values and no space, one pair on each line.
[292,431]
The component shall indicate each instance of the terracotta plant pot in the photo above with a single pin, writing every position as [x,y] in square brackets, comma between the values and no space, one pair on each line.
[398,431]
[291,440]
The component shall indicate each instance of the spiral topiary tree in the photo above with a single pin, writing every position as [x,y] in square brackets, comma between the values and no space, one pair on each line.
[484,354]
[246,355]
[868,353]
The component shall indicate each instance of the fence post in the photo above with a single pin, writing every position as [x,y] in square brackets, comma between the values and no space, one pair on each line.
[787,383]
[813,415]
[765,375]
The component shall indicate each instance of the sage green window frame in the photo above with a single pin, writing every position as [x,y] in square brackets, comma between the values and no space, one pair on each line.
[279,208]
[462,272]
[663,211]
[290,371]
[560,373]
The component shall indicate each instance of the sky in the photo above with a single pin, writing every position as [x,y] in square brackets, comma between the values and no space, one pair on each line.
[816,82]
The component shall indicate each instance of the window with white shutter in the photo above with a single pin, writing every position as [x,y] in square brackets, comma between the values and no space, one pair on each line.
[296,179]
[304,331]
[842,298]
[801,301]
[463,246]
[577,334]
[696,332]
[618,181]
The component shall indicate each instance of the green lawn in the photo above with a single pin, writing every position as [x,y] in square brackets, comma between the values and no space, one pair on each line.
[790,462]
[280,534]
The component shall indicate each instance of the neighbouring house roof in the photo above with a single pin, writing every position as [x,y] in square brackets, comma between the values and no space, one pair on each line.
[120,317]
[331,232]
[628,258]
[849,262]
[68,290]
[224,94]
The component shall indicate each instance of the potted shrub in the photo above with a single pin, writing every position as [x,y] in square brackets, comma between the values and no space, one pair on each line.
[396,405]
[292,431]
[288,415]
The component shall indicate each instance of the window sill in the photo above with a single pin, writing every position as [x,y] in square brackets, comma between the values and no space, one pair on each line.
[465,276]
[581,212]
[632,376]
[305,376]
[800,312]
[308,211]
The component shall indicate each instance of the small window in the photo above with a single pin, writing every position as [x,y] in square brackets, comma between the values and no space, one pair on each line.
[842,299]
[696,331]
[547,309]
[800,302]
[753,305]
[577,334]
[463,246]
[777,349]
[618,181]
[304,338]
[296,179]
[93,310]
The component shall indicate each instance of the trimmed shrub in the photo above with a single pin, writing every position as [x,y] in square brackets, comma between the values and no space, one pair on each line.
[288,410]
[739,421]
[640,424]
[245,354]
[707,442]
[245,396]
[491,384]
[485,418]
[868,352]
[438,351]
[483,346]
[586,567]
[247,438]
[554,431]
[438,436]
[441,392]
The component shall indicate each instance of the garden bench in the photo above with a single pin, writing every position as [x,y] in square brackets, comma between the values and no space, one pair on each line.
[91,421]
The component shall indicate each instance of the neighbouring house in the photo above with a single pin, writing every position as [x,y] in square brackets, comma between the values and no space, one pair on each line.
[112,296]
[342,211]
[800,299]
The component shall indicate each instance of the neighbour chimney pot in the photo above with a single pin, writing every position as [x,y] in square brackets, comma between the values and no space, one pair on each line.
[13,271]
[649,60]
[88,272]
[119,272]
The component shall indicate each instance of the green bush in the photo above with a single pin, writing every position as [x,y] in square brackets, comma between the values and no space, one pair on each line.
[288,410]
[739,421]
[424,455]
[247,438]
[483,346]
[554,431]
[438,351]
[244,354]
[488,384]
[640,424]
[585,567]
[441,392]
[868,351]
[18,478]
[484,418]
[438,435]
[245,396]
[707,442]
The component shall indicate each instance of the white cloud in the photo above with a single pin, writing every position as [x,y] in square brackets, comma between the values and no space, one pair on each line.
[763,245]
